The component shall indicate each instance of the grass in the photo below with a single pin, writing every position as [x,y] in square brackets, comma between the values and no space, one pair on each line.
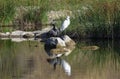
[98,20]
[90,19]
[6,11]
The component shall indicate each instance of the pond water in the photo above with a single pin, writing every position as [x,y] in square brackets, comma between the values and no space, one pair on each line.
[28,60]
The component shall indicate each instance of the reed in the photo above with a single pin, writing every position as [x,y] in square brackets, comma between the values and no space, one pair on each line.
[90,19]
[98,20]
[6,11]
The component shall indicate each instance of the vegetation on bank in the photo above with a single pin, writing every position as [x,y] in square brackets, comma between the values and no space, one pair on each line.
[90,19]
[99,20]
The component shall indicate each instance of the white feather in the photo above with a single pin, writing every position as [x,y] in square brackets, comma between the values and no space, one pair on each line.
[65,24]
[66,66]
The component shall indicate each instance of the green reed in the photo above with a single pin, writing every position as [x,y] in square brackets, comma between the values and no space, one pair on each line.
[89,19]
[9,10]
[6,11]
[98,20]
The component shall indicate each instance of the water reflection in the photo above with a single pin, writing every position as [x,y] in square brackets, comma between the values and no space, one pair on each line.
[59,61]
[56,47]
[18,39]
[24,60]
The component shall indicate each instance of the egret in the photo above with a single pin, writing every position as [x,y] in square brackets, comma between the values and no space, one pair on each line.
[65,24]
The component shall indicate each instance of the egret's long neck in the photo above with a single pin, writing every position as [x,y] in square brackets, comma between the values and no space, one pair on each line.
[60,30]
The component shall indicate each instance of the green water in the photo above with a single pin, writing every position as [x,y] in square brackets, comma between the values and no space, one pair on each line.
[27,60]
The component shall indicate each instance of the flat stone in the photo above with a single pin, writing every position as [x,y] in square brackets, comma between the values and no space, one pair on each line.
[68,40]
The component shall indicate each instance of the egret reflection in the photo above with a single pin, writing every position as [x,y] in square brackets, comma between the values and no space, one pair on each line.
[59,61]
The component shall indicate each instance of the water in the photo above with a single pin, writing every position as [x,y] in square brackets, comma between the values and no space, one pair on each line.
[28,60]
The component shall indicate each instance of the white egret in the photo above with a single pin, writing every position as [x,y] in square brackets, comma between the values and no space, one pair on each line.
[65,24]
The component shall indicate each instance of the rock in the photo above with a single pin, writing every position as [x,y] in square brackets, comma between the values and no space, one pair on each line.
[20,33]
[27,35]
[7,33]
[64,51]
[59,50]
[68,40]
[90,47]
[60,42]
[55,41]
[18,39]
[21,39]
[17,33]
[60,46]
[4,35]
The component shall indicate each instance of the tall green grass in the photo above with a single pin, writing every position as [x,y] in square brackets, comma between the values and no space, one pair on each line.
[90,19]
[6,11]
[98,20]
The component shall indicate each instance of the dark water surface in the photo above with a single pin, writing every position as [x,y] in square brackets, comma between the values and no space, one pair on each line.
[28,60]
